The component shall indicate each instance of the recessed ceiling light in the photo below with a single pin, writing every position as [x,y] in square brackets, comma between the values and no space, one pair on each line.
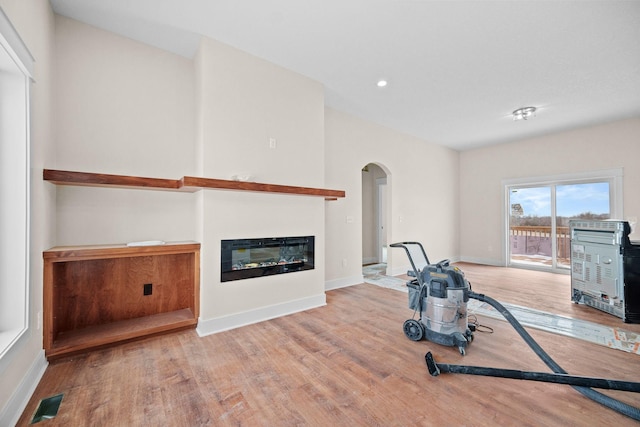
[382,83]
[524,113]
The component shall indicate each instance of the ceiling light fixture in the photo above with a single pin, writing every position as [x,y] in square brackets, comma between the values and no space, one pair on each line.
[382,83]
[524,113]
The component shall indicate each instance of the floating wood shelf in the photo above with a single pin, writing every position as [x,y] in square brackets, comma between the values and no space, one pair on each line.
[189,184]
[95,296]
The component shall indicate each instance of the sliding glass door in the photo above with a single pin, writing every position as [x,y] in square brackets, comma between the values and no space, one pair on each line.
[539,217]
[578,201]
[530,226]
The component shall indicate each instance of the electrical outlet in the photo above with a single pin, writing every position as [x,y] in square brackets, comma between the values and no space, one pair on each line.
[147,289]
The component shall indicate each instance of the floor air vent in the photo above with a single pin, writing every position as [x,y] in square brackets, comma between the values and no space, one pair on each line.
[47,409]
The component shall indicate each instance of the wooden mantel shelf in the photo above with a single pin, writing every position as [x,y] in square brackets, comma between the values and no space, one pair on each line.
[188,184]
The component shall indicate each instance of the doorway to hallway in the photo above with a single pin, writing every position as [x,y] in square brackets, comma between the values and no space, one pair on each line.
[374,217]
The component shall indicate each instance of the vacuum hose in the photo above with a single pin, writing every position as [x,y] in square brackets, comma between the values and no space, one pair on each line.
[436,368]
[603,399]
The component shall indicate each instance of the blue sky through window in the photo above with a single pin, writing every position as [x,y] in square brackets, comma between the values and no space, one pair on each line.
[571,199]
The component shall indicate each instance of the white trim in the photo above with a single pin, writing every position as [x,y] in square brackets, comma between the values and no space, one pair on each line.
[343,282]
[22,68]
[18,50]
[400,270]
[225,323]
[483,261]
[8,340]
[381,217]
[27,223]
[18,401]
[577,176]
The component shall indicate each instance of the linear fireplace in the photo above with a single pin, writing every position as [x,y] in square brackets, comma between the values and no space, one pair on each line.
[246,258]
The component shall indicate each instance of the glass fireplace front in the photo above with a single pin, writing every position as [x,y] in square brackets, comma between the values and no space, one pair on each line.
[246,258]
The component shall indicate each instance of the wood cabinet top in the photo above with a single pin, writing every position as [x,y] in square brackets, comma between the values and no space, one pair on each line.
[66,253]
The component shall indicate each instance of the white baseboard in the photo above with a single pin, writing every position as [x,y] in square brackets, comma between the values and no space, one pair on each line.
[343,282]
[483,261]
[400,270]
[220,324]
[20,398]
[372,260]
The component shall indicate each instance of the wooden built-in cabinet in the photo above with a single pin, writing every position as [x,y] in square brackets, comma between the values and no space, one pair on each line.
[94,296]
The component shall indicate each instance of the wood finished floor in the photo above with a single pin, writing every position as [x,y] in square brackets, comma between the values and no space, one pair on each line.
[347,363]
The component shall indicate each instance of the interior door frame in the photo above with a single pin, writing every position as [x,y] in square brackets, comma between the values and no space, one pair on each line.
[381,218]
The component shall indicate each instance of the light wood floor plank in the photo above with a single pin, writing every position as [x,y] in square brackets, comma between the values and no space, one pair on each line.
[347,363]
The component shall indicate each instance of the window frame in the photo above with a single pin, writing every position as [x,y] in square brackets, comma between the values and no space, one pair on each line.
[17,66]
[613,176]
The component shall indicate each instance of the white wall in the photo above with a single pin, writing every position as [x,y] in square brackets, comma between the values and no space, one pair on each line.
[609,146]
[122,107]
[22,366]
[422,180]
[243,103]
[127,108]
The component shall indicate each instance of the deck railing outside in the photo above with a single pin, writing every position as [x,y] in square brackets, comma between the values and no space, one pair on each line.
[536,241]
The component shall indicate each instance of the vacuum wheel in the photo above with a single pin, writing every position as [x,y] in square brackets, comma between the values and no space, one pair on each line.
[469,336]
[413,329]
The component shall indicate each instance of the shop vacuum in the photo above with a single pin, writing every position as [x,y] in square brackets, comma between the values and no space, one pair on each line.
[440,293]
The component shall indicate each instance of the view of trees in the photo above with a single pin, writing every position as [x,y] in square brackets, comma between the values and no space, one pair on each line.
[562,221]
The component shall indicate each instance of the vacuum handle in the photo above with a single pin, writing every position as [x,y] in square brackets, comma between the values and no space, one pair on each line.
[444,263]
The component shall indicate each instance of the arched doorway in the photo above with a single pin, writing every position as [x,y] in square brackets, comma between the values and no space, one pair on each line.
[374,218]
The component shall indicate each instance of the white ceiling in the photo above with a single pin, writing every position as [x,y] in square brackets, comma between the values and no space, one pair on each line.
[456,69]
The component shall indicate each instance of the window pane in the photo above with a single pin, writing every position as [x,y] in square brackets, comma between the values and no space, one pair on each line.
[578,201]
[582,201]
[530,225]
